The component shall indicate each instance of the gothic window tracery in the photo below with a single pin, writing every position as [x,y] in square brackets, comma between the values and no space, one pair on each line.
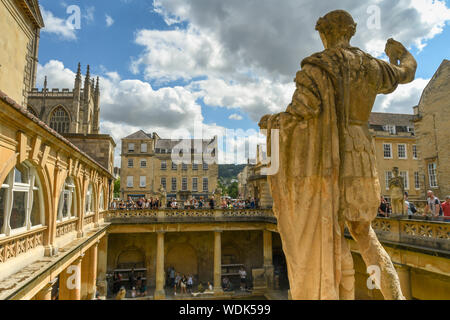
[59,120]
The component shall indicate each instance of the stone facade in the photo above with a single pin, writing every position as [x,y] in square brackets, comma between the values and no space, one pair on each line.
[99,146]
[51,170]
[147,163]
[396,146]
[432,124]
[69,111]
[20,22]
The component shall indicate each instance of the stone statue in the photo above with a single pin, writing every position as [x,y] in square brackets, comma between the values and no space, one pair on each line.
[163,197]
[397,191]
[327,175]
[218,197]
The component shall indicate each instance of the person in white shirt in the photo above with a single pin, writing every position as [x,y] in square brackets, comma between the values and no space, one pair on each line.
[243,275]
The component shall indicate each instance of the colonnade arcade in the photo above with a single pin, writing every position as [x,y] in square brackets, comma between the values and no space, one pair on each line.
[207,255]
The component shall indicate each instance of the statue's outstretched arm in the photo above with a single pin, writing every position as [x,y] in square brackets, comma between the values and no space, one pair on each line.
[408,64]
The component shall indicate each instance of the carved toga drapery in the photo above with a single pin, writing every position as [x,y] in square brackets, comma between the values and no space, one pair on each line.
[327,171]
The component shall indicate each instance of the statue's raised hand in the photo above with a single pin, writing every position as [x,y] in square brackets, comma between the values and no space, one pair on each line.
[395,51]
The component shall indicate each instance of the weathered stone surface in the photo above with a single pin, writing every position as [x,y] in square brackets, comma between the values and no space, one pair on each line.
[397,188]
[327,170]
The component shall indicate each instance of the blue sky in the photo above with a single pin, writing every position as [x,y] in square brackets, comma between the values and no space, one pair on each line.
[165,64]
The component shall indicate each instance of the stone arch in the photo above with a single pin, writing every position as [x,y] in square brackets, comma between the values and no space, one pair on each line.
[183,257]
[61,122]
[8,165]
[131,257]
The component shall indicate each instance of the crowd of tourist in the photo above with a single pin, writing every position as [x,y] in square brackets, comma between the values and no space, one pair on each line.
[201,203]
[434,209]
[137,285]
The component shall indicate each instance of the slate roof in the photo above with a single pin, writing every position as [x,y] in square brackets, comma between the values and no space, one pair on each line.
[399,120]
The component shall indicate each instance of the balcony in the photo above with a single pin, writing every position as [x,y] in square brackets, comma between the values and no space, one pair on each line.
[417,235]
[188,216]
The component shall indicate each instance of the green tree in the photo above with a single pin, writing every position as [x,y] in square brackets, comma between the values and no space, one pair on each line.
[117,188]
[233,190]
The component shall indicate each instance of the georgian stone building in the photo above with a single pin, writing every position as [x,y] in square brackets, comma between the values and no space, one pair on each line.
[432,122]
[396,146]
[147,166]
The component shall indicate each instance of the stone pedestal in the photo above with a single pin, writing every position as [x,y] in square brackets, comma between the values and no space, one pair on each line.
[160,294]
[259,281]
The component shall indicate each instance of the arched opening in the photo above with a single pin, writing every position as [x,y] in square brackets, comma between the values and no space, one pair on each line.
[59,120]
[130,264]
[101,201]
[67,205]
[183,258]
[21,201]
[131,258]
[89,200]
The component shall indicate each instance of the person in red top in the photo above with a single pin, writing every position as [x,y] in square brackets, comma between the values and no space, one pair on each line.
[446,209]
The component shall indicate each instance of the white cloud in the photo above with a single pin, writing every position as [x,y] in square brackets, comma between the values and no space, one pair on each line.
[58,26]
[235,116]
[403,99]
[247,52]
[255,98]
[109,21]
[88,14]
[58,76]
[179,54]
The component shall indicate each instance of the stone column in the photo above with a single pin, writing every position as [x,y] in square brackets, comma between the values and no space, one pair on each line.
[160,294]
[85,269]
[218,263]
[268,260]
[102,266]
[404,274]
[46,292]
[70,281]
[92,276]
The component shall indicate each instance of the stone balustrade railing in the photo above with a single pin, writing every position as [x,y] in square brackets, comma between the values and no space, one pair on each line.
[418,233]
[174,215]
[18,245]
[434,235]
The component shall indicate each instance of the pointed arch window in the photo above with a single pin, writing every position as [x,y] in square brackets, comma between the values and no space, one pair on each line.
[67,201]
[101,205]
[89,209]
[59,121]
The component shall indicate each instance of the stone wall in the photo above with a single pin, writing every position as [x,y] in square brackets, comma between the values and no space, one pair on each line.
[190,252]
[17,51]
[99,147]
[433,121]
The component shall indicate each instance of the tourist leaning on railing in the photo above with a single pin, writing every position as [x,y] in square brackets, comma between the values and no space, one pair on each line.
[446,209]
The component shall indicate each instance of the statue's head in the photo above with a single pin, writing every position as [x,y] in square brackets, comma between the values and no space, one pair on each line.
[336,29]
[395,171]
